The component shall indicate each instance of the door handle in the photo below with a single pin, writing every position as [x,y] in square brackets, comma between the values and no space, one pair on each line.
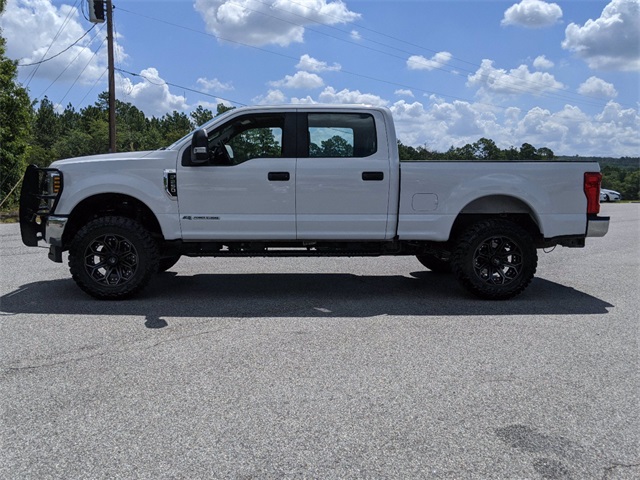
[278,176]
[372,176]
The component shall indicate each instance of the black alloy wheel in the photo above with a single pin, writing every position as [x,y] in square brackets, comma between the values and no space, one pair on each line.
[113,257]
[495,259]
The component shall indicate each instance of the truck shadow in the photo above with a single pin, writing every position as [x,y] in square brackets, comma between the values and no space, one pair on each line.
[299,295]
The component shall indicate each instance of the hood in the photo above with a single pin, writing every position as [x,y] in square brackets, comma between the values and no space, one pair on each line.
[112,162]
[113,157]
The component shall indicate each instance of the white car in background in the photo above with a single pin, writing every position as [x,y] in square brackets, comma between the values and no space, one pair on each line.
[609,195]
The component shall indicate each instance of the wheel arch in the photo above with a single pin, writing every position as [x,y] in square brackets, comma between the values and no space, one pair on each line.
[498,206]
[110,204]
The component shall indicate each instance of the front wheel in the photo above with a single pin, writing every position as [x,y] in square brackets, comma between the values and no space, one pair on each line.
[113,258]
[495,259]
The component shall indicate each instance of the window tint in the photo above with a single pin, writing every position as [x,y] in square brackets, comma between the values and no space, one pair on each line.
[341,135]
[245,138]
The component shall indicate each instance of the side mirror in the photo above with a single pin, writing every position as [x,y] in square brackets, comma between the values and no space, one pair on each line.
[199,147]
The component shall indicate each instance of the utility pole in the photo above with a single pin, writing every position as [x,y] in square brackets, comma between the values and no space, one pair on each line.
[97,15]
[112,81]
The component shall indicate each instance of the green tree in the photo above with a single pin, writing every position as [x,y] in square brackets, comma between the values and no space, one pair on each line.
[528,152]
[46,129]
[546,153]
[221,108]
[625,180]
[631,186]
[201,115]
[174,126]
[486,149]
[132,128]
[75,143]
[16,117]
[69,120]
[46,132]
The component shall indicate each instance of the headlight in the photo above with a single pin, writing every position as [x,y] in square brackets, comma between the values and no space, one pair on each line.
[51,187]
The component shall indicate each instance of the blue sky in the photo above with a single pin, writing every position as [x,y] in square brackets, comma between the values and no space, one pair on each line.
[564,74]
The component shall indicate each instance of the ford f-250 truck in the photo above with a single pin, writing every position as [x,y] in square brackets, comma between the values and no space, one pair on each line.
[304,180]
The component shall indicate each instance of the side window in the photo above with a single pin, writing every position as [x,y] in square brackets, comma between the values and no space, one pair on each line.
[341,135]
[245,138]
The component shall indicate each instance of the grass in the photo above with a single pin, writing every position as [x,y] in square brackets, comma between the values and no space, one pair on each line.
[9,216]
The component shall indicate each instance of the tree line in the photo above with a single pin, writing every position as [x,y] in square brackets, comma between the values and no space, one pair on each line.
[619,174]
[74,133]
[483,149]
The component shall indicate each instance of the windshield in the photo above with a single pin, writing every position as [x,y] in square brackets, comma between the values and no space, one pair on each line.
[177,143]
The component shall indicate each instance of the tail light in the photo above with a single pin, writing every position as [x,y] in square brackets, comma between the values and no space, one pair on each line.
[592,181]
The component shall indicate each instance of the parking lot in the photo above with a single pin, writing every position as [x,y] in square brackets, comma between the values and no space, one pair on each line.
[324,368]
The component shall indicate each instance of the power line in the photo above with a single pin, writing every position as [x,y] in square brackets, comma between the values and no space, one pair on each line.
[583,99]
[444,67]
[82,71]
[92,87]
[62,27]
[290,57]
[71,62]
[59,53]
[164,82]
[217,37]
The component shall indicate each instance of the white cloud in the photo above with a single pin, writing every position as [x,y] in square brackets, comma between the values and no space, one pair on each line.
[404,92]
[612,41]
[273,97]
[418,62]
[330,95]
[269,22]
[439,124]
[310,64]
[542,63]
[596,87]
[30,26]
[569,131]
[532,14]
[305,100]
[626,118]
[213,85]
[355,35]
[151,94]
[517,81]
[300,79]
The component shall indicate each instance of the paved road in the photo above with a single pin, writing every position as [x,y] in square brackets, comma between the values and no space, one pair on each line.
[324,368]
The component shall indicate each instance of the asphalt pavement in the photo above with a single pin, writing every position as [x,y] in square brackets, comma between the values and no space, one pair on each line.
[324,368]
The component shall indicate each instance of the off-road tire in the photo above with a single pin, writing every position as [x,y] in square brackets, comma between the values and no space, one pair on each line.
[113,258]
[494,259]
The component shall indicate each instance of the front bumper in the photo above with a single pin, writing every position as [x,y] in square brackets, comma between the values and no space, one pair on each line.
[597,226]
[54,229]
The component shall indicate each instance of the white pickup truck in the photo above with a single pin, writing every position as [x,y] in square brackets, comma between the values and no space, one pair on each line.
[304,180]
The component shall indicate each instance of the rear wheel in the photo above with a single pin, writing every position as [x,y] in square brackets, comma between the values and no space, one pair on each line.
[495,259]
[113,258]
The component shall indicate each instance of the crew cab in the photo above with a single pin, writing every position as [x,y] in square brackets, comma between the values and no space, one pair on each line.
[304,180]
